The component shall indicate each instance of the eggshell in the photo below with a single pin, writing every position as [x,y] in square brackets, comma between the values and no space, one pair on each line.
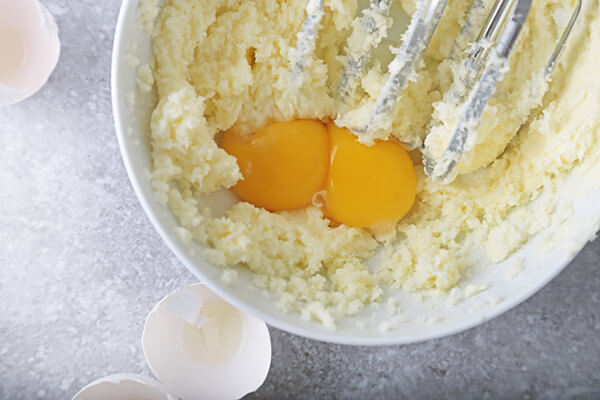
[201,347]
[36,45]
[124,387]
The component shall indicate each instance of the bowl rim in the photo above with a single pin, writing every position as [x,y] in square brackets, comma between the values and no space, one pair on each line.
[119,111]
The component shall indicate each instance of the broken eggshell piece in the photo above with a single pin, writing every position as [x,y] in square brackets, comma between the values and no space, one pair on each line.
[200,346]
[29,48]
[124,387]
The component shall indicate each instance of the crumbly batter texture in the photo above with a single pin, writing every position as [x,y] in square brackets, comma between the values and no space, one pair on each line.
[224,64]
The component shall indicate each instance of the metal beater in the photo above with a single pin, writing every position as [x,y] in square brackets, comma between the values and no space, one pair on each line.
[481,71]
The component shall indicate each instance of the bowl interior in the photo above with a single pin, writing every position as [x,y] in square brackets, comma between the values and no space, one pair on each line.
[538,261]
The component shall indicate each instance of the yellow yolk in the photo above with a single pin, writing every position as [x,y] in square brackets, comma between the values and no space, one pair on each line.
[368,187]
[286,163]
[283,164]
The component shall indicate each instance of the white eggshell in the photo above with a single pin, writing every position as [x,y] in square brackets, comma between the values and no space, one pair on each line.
[124,387]
[29,41]
[201,347]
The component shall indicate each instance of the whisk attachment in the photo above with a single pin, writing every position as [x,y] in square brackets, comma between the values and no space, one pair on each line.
[563,40]
[474,81]
[501,31]
[306,40]
[370,29]
[417,37]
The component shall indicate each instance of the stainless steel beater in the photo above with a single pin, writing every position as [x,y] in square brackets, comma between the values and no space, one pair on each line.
[473,85]
[476,82]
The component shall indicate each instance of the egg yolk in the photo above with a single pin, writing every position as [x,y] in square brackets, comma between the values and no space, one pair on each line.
[283,164]
[286,163]
[368,186]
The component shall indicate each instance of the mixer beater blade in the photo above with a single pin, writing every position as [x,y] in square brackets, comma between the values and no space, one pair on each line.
[474,83]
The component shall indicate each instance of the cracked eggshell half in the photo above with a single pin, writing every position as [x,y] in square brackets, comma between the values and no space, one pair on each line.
[124,387]
[201,347]
[29,48]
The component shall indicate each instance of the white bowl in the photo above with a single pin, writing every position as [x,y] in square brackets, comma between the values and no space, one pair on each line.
[428,319]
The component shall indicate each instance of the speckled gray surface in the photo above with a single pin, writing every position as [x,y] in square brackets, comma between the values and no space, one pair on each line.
[80,267]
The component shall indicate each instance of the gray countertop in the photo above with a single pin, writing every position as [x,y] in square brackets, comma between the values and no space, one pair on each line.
[81,266]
